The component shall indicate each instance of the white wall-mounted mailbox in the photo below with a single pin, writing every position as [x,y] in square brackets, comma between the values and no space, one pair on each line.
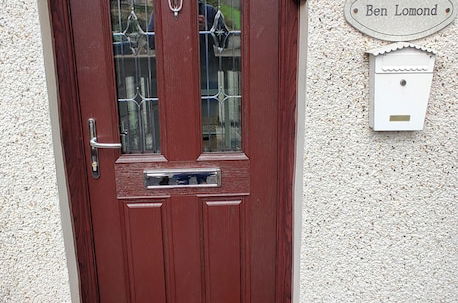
[400,83]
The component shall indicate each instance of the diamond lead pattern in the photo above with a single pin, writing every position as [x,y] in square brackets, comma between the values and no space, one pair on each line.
[220,61]
[135,62]
[219,31]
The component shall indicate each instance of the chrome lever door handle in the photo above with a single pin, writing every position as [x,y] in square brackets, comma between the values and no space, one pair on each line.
[94,145]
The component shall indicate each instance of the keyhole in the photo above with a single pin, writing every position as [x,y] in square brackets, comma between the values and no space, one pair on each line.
[403,82]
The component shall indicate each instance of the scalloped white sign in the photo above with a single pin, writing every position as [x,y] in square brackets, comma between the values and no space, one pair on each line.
[400,20]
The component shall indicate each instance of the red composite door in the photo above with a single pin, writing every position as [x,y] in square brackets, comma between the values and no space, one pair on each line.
[184,202]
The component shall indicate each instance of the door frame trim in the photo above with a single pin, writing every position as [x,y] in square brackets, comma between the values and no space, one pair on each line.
[74,148]
[287,120]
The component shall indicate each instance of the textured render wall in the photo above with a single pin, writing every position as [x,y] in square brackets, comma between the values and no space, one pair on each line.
[379,213]
[380,209]
[32,258]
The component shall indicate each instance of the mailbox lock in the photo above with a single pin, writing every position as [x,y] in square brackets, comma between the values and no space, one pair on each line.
[403,82]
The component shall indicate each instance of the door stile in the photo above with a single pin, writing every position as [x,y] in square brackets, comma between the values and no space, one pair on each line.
[73,147]
[94,62]
[263,149]
[287,119]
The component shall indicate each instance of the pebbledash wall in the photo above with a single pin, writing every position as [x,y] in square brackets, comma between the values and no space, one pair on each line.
[378,212]
[380,209]
[33,265]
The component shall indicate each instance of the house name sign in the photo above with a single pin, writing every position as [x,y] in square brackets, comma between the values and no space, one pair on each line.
[400,20]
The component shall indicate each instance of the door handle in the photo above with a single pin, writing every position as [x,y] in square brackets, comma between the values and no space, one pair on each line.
[94,145]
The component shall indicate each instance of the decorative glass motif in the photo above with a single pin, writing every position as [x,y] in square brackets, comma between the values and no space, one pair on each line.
[135,62]
[220,63]
[219,31]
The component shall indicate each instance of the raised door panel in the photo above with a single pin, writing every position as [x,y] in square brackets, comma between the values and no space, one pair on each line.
[224,250]
[145,244]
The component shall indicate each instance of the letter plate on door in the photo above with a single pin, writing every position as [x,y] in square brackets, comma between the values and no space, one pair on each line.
[182,178]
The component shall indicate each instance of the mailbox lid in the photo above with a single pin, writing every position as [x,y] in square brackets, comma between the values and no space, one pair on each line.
[405,61]
[402,57]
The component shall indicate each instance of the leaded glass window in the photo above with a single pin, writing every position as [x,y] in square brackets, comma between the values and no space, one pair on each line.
[135,62]
[220,62]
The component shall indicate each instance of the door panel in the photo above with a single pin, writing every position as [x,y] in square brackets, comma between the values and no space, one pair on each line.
[182,245]
[224,236]
[144,227]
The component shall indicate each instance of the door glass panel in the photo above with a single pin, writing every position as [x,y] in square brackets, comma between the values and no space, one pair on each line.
[220,66]
[135,63]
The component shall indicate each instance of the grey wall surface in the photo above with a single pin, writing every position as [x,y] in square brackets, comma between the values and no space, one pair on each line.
[32,259]
[380,209]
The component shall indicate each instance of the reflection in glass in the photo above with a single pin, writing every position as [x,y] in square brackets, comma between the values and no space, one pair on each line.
[135,62]
[220,63]
[176,178]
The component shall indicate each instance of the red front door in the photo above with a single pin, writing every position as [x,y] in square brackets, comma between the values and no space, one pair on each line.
[186,210]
